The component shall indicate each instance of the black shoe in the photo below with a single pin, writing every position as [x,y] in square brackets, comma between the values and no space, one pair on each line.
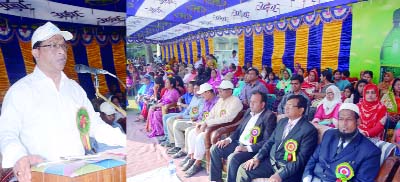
[164,143]
[188,164]
[193,170]
[170,145]
[180,154]
[173,150]
[183,162]
[162,139]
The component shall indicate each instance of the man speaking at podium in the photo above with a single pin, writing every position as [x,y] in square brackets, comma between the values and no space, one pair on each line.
[46,115]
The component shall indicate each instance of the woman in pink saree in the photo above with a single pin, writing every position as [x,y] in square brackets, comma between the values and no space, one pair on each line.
[169,99]
[215,79]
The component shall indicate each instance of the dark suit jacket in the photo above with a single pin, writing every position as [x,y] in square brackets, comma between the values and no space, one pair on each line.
[266,122]
[360,153]
[306,136]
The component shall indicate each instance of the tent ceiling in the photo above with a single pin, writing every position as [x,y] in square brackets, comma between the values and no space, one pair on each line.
[91,12]
[160,20]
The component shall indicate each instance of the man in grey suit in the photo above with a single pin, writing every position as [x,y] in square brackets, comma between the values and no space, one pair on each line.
[285,154]
[257,125]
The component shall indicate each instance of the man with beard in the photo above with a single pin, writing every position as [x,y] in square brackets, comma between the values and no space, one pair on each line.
[344,153]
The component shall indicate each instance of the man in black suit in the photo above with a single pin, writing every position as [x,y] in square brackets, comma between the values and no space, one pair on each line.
[257,125]
[285,154]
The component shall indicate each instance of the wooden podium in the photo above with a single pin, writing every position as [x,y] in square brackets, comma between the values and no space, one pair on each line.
[115,174]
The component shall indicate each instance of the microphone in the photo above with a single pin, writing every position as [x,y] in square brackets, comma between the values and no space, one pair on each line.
[80,68]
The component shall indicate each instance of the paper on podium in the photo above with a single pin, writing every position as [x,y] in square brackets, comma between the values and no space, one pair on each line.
[79,165]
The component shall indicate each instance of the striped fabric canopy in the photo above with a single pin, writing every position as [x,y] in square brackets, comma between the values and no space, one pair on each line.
[154,21]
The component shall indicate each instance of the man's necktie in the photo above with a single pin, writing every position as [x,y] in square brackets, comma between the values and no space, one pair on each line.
[340,147]
[287,130]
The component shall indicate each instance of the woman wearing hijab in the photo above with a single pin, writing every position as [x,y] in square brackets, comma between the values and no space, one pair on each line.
[328,109]
[284,84]
[373,113]
[386,83]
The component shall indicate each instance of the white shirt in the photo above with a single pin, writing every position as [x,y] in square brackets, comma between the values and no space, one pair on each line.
[249,126]
[38,119]
[234,60]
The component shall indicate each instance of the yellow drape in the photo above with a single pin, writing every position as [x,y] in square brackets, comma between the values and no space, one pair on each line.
[279,49]
[241,49]
[162,52]
[194,51]
[26,51]
[119,61]
[188,53]
[176,51]
[4,82]
[69,68]
[258,42]
[301,52]
[94,60]
[203,47]
[331,45]
[182,52]
[211,45]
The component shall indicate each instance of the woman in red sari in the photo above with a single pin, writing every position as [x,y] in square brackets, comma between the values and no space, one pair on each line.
[373,113]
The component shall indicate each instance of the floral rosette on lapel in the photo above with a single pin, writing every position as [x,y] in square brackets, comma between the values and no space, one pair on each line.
[83,123]
[344,172]
[205,116]
[194,111]
[255,132]
[290,150]
[222,113]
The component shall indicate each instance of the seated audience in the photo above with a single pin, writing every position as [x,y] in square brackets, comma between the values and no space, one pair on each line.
[253,84]
[339,82]
[386,83]
[285,154]
[224,111]
[348,95]
[182,127]
[215,79]
[326,81]
[328,109]
[169,99]
[368,75]
[372,113]
[342,154]
[256,127]
[296,82]
[284,83]
[310,84]
[107,114]
[188,97]
[358,93]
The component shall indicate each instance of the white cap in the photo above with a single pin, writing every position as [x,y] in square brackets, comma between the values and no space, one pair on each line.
[225,84]
[350,106]
[107,108]
[47,31]
[204,87]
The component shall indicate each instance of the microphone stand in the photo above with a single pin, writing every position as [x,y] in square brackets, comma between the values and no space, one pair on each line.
[98,94]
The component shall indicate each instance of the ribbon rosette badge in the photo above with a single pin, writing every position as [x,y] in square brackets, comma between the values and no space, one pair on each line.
[290,150]
[195,110]
[222,113]
[255,132]
[83,123]
[205,116]
[344,172]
